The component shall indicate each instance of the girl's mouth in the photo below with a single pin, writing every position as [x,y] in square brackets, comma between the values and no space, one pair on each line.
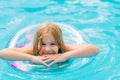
[45,53]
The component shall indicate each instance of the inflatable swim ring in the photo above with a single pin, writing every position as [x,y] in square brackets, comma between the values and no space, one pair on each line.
[24,38]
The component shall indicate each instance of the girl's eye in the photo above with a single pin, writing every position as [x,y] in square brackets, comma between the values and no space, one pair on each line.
[43,44]
[53,44]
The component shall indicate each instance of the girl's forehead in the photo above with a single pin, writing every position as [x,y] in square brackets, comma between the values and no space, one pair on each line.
[48,37]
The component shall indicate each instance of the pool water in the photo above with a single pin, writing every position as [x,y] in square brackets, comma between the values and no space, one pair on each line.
[97,21]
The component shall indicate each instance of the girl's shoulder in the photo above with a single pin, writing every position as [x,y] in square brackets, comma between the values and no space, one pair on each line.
[69,47]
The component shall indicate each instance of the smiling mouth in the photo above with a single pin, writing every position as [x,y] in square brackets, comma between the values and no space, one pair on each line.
[46,53]
[43,53]
[49,53]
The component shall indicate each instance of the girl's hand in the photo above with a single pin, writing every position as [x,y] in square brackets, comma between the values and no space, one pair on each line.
[40,59]
[54,58]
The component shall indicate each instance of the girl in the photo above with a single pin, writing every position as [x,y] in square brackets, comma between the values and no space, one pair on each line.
[48,46]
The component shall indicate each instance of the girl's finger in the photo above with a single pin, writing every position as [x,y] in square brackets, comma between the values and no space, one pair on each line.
[45,64]
[48,60]
[53,62]
[45,58]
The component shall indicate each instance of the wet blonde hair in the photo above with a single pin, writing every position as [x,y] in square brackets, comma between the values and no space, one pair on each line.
[51,29]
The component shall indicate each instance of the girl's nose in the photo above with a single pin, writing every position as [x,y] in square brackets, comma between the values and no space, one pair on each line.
[47,49]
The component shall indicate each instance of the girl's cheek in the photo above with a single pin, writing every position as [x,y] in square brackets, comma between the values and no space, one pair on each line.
[40,52]
[56,49]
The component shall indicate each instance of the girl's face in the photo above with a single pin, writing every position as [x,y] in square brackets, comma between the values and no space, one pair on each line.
[49,45]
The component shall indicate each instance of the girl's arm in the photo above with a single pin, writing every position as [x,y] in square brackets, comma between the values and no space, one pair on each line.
[21,54]
[14,54]
[74,51]
[23,50]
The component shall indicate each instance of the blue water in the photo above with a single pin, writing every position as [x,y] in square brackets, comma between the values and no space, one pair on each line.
[98,21]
